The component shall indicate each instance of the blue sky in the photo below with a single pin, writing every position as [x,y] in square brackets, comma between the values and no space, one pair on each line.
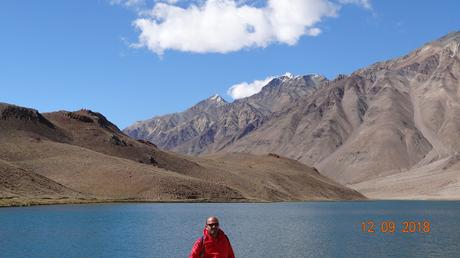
[67,55]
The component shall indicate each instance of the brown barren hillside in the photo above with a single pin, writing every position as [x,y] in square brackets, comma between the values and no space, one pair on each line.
[93,131]
[82,157]
[274,177]
[19,186]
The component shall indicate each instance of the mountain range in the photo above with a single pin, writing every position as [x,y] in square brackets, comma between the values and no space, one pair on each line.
[213,124]
[80,156]
[390,130]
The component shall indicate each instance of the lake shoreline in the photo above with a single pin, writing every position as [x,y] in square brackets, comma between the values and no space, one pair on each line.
[41,202]
[16,202]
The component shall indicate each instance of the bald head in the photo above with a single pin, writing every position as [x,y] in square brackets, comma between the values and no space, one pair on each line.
[212,226]
[212,219]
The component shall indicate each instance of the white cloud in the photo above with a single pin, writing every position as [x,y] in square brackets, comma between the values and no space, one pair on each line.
[364,3]
[223,26]
[244,89]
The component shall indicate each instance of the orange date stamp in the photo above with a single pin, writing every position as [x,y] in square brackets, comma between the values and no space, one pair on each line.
[390,226]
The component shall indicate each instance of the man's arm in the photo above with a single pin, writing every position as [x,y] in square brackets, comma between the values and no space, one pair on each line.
[196,249]
[230,250]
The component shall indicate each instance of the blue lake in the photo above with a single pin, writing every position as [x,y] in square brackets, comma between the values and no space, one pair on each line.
[302,229]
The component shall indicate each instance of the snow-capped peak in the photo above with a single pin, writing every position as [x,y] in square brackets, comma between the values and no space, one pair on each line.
[215,97]
[316,76]
[289,75]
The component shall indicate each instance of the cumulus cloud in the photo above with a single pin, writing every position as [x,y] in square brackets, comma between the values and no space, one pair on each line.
[246,89]
[223,26]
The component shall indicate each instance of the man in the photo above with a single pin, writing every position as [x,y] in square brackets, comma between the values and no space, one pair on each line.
[213,244]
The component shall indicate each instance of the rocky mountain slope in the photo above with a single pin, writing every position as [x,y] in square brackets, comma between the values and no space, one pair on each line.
[213,124]
[383,129]
[392,122]
[82,157]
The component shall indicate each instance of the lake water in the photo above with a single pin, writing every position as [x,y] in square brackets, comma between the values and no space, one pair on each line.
[303,229]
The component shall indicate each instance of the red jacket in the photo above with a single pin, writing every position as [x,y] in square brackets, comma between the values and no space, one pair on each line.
[218,247]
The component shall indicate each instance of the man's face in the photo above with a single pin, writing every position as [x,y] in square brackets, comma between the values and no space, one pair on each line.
[212,226]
